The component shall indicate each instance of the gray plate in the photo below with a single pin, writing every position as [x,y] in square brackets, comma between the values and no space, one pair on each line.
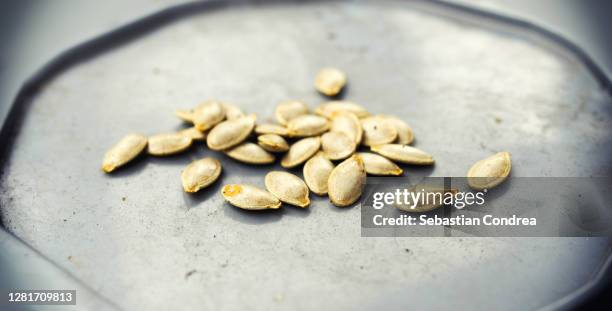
[469,86]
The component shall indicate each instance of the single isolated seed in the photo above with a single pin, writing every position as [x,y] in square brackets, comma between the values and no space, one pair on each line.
[346,181]
[269,128]
[288,110]
[490,172]
[307,125]
[249,197]
[128,148]
[185,114]
[404,154]
[328,109]
[207,115]
[301,151]
[347,123]
[330,81]
[250,153]
[316,173]
[288,188]
[168,144]
[200,174]
[434,197]
[193,133]
[232,111]
[405,136]
[379,165]
[377,131]
[337,146]
[230,133]
[273,143]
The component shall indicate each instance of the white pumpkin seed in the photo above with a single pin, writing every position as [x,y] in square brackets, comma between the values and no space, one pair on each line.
[200,174]
[347,123]
[346,181]
[301,151]
[185,114]
[307,125]
[269,128]
[249,197]
[193,133]
[288,110]
[379,165]
[434,194]
[273,143]
[168,144]
[404,154]
[405,136]
[207,115]
[250,153]
[316,173]
[328,109]
[232,111]
[230,133]
[330,81]
[288,188]
[128,148]
[377,131]
[337,146]
[490,172]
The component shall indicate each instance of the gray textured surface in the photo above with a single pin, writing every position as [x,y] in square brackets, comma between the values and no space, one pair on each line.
[139,251]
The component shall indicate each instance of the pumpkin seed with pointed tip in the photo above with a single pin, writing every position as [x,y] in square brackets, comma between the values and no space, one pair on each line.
[128,148]
[193,133]
[269,128]
[404,154]
[316,173]
[379,165]
[329,108]
[288,110]
[346,181]
[405,135]
[330,81]
[288,188]
[232,111]
[185,114]
[250,153]
[307,125]
[249,197]
[273,143]
[230,133]
[200,174]
[490,172]
[347,123]
[168,144]
[377,131]
[337,146]
[301,151]
[207,115]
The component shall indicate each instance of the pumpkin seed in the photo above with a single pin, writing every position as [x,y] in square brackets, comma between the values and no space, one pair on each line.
[337,146]
[404,154]
[185,114]
[490,172]
[379,165]
[301,151]
[200,174]
[329,108]
[232,111]
[346,181]
[307,125]
[273,143]
[193,133]
[269,128]
[288,110]
[330,81]
[230,133]
[347,123]
[249,197]
[168,144]
[316,173]
[405,135]
[434,194]
[377,131]
[250,153]
[288,188]
[207,115]
[128,148]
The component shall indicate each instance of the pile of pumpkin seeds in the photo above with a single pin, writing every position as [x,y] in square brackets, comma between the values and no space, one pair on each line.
[325,141]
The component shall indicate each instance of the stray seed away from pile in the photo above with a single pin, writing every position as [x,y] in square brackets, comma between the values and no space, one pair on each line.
[230,133]
[249,197]
[490,172]
[207,115]
[200,174]
[251,153]
[288,188]
[286,111]
[168,144]
[316,173]
[269,128]
[301,151]
[346,181]
[128,148]
[330,81]
[307,125]
[332,107]
[404,154]
[348,124]
[337,146]
[377,131]
[379,165]
[273,143]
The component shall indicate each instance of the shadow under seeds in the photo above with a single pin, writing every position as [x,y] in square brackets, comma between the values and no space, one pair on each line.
[252,217]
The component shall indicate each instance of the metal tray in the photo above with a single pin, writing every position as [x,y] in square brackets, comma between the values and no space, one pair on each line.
[469,84]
